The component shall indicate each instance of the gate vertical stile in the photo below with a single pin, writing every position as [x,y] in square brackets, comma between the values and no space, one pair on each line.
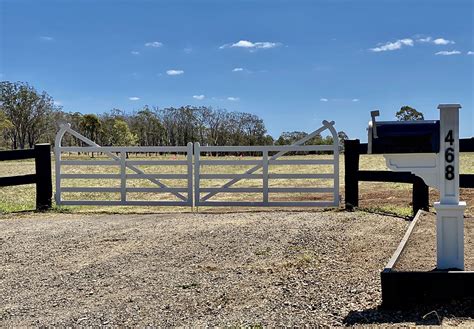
[189,159]
[57,172]
[123,177]
[197,157]
[57,165]
[336,170]
[265,175]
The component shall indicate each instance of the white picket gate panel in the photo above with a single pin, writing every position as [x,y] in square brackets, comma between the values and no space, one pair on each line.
[184,194]
[264,164]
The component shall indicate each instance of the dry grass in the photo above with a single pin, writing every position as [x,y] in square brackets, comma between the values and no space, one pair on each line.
[384,197]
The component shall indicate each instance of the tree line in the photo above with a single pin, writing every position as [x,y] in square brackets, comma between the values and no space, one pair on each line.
[28,117]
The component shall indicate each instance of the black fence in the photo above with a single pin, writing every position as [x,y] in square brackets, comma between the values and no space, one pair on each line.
[420,196]
[42,176]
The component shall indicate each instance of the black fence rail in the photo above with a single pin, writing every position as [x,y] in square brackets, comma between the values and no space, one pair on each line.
[420,196]
[42,176]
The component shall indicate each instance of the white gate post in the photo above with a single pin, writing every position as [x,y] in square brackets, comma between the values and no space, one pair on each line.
[449,211]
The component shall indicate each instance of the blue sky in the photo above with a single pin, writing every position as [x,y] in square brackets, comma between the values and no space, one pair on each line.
[293,63]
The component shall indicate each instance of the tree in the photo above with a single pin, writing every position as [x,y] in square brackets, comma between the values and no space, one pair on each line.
[408,113]
[288,138]
[90,126]
[147,127]
[5,127]
[122,136]
[28,112]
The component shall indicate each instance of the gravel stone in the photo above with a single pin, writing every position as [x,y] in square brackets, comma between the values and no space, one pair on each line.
[200,269]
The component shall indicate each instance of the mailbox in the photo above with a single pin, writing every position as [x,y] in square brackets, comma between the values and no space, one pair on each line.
[421,136]
[430,150]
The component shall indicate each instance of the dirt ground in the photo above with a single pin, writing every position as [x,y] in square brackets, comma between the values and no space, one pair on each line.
[253,269]
[420,251]
[375,194]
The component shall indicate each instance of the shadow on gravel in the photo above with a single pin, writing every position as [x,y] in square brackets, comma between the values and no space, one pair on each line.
[420,315]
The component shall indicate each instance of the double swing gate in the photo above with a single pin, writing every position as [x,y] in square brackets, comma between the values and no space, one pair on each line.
[246,176]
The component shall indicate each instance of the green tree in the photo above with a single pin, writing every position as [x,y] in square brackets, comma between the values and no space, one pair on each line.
[90,126]
[28,112]
[5,127]
[121,134]
[146,125]
[408,113]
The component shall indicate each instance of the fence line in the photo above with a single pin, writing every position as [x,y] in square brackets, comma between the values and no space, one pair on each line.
[420,196]
[42,176]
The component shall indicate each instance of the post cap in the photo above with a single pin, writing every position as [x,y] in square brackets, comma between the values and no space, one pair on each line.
[447,106]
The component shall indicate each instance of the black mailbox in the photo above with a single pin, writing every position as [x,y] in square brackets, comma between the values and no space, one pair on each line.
[421,136]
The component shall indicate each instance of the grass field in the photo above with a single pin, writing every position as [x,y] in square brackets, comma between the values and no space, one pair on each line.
[383,197]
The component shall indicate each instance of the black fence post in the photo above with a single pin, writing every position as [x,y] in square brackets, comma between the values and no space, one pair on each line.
[351,165]
[420,195]
[44,187]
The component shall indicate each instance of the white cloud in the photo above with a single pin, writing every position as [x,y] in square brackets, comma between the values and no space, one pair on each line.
[188,50]
[251,45]
[154,44]
[199,97]
[427,39]
[135,52]
[134,98]
[175,72]
[355,99]
[448,53]
[441,41]
[238,69]
[46,38]
[233,99]
[57,103]
[437,41]
[470,52]
[389,46]
[323,99]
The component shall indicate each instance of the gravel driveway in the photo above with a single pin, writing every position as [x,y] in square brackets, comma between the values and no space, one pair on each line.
[257,268]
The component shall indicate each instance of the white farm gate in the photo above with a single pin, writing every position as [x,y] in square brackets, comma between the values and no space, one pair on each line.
[127,170]
[199,186]
[261,171]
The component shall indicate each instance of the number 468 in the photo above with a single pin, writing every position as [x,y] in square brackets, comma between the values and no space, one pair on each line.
[449,156]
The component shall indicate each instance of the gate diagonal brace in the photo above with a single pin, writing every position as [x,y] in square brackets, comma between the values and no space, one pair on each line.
[67,128]
[326,125]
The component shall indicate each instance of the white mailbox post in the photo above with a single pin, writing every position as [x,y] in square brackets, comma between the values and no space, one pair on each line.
[449,210]
[441,171]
